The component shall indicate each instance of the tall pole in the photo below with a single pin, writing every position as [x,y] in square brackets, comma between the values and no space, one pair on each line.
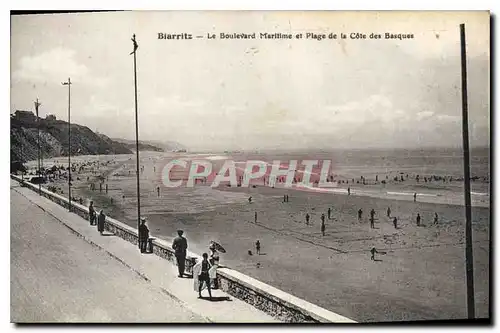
[22,161]
[137,137]
[69,140]
[468,221]
[37,104]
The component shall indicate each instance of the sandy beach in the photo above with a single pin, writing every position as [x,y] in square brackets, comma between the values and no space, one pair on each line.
[421,276]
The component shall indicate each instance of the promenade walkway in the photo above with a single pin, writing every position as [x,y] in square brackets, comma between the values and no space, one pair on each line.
[158,273]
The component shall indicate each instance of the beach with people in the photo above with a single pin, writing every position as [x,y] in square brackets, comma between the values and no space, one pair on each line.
[418,272]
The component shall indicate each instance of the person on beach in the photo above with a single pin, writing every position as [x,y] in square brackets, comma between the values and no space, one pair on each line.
[418,220]
[143,235]
[250,200]
[435,218]
[329,213]
[284,198]
[372,222]
[307,218]
[415,197]
[158,190]
[257,247]
[349,190]
[388,211]
[373,251]
[255,217]
[372,213]
[214,262]
[180,246]
[395,222]
[323,218]
[360,214]
[91,213]
[100,222]
[201,276]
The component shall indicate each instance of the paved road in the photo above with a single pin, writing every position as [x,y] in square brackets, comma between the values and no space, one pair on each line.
[58,277]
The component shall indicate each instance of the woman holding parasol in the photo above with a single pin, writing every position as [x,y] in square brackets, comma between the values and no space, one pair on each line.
[214,248]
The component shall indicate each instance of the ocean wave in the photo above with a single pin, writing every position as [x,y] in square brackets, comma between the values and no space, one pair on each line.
[400,193]
[320,189]
[216,158]
[412,193]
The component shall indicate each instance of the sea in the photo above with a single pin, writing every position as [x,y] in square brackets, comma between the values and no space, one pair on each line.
[359,172]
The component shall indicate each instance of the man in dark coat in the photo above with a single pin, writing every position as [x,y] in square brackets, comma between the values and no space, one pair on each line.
[143,235]
[91,213]
[100,222]
[257,247]
[180,246]
[373,251]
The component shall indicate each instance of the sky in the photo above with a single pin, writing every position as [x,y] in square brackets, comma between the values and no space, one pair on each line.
[258,94]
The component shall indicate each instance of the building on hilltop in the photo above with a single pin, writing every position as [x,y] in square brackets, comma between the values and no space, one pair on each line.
[50,117]
[25,116]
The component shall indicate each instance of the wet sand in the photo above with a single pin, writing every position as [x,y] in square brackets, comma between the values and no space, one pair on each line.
[421,276]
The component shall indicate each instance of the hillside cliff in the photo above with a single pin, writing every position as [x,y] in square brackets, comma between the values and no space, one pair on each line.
[152,145]
[54,140]
[143,146]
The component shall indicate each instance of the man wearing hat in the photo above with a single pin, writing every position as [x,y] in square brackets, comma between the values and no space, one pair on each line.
[143,235]
[180,246]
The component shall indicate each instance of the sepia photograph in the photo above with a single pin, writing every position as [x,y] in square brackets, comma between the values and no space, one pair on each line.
[250,167]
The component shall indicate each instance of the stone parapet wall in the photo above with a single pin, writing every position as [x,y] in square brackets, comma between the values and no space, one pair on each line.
[283,306]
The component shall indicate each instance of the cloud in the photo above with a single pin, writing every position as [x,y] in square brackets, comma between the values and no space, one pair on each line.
[374,109]
[56,65]
[424,115]
[448,118]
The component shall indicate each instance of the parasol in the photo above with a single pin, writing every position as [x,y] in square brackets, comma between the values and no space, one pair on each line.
[218,247]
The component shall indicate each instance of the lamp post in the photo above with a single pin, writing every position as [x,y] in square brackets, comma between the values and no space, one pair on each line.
[22,163]
[37,105]
[68,83]
[136,137]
